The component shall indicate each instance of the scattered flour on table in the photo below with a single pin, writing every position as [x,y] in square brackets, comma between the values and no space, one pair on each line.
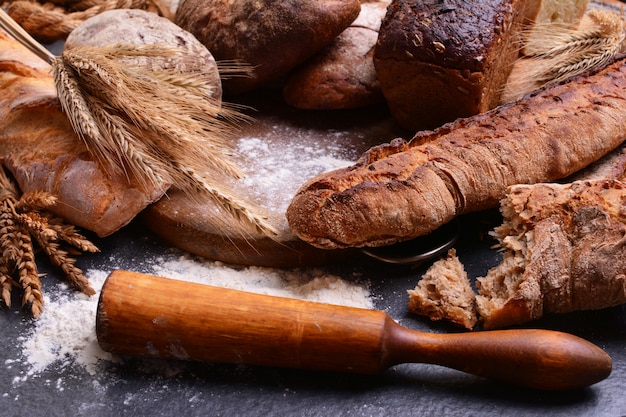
[274,172]
[65,334]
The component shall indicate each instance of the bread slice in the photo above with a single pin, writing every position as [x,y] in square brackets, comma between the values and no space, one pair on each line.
[566,12]
[445,292]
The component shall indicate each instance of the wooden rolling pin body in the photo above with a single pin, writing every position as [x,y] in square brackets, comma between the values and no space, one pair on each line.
[143,315]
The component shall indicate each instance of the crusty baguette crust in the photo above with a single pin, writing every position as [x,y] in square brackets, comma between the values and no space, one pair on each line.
[43,153]
[403,190]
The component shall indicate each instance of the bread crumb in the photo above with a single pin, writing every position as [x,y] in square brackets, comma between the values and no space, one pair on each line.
[445,292]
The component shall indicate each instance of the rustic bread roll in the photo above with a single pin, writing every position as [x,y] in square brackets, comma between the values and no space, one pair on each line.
[403,190]
[140,27]
[271,36]
[342,75]
[444,293]
[439,61]
[43,153]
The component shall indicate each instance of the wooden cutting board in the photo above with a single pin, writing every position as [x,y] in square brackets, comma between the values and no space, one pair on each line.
[281,149]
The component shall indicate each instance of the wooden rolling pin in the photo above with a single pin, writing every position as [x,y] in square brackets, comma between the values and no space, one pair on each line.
[143,315]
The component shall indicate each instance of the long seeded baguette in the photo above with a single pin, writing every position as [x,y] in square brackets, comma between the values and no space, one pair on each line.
[403,190]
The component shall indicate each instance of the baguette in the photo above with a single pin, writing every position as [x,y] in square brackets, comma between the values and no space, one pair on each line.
[402,190]
[562,248]
[39,147]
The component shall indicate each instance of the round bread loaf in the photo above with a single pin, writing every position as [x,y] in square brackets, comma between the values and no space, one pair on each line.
[342,75]
[272,36]
[139,27]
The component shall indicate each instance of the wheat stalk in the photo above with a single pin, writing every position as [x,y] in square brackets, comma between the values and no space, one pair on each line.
[158,127]
[554,53]
[49,24]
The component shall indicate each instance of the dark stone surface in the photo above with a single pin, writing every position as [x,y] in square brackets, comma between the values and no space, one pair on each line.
[140,387]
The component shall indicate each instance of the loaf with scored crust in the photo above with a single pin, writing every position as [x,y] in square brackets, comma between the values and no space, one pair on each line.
[39,147]
[402,190]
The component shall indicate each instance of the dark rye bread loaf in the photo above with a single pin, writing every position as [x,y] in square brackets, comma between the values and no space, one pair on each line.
[440,60]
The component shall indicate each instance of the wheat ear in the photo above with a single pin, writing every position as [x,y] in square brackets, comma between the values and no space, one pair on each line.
[161,128]
[554,53]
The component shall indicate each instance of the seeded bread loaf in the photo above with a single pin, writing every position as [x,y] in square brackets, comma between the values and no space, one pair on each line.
[438,61]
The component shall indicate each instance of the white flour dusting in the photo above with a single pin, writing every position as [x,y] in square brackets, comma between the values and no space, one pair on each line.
[274,171]
[65,334]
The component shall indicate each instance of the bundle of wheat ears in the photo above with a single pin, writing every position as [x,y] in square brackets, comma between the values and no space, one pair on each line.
[554,53]
[25,221]
[157,127]
[52,21]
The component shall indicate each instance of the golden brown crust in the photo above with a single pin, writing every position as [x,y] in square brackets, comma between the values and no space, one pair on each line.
[341,76]
[401,191]
[42,151]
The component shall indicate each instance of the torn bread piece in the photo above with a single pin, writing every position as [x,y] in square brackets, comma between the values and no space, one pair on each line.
[563,247]
[564,250]
[445,292]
